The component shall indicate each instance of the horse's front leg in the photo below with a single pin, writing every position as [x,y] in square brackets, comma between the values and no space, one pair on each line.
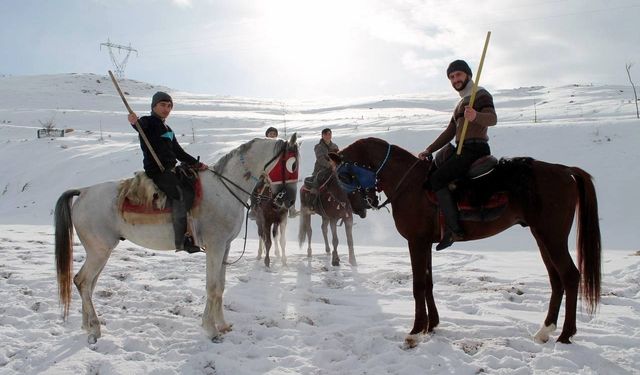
[348,227]
[282,237]
[325,229]
[418,256]
[216,270]
[335,259]
[433,316]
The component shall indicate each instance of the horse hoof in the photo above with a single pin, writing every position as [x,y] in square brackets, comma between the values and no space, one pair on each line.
[226,328]
[92,339]
[217,339]
[542,336]
[411,341]
[353,262]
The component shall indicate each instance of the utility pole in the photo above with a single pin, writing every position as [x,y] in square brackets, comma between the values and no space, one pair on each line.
[284,119]
[119,66]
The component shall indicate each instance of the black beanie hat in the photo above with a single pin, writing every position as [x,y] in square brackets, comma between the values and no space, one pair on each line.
[459,66]
[160,97]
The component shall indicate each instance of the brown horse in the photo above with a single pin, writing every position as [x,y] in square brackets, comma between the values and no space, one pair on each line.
[271,218]
[542,196]
[332,204]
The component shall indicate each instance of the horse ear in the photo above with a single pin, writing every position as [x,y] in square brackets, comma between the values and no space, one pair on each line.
[293,139]
[335,157]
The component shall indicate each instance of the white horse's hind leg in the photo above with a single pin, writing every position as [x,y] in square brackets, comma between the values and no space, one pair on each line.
[260,247]
[542,336]
[86,279]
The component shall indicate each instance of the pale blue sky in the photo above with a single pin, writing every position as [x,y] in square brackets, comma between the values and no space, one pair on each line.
[328,48]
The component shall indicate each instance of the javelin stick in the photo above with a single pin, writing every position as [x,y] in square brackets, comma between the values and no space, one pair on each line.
[473,93]
[137,124]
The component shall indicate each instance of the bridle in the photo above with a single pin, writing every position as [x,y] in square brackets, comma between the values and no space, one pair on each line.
[353,178]
[350,174]
[282,154]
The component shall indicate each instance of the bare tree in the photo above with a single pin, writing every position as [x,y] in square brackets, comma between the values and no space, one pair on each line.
[635,94]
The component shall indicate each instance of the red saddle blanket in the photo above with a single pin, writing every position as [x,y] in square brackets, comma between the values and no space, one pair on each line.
[497,200]
[129,207]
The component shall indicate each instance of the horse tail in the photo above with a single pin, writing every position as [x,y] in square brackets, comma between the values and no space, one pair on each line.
[305,225]
[588,239]
[64,248]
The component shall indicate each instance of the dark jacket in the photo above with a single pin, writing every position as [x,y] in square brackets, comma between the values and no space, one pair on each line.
[322,151]
[164,143]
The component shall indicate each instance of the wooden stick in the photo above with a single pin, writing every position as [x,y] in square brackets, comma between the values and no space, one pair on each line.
[137,124]
[473,93]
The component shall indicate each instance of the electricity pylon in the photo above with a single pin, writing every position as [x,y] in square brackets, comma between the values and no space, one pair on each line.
[119,67]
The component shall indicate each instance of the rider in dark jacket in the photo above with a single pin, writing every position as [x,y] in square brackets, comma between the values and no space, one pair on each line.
[163,142]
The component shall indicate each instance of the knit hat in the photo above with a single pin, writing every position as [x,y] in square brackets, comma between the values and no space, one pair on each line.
[459,66]
[160,97]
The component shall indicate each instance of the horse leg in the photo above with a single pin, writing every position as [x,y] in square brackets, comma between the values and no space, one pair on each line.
[348,228]
[275,236]
[418,256]
[557,291]
[260,247]
[267,247]
[215,268]
[569,278]
[325,230]
[308,230]
[282,237]
[335,259]
[98,253]
[433,316]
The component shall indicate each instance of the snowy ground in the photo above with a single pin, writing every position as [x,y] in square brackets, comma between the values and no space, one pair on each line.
[308,317]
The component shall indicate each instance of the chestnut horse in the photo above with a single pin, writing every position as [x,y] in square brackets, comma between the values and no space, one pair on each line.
[541,195]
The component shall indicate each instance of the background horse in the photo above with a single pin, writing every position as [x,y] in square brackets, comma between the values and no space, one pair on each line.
[271,219]
[100,227]
[542,196]
[332,204]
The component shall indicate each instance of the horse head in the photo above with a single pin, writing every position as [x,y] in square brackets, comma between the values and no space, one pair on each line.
[282,172]
[358,182]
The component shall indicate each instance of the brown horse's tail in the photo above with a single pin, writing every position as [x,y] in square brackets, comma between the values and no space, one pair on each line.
[64,248]
[588,238]
[305,225]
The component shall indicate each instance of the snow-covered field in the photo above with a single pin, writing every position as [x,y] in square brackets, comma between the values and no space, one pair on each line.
[308,317]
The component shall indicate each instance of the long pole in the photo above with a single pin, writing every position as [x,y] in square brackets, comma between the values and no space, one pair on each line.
[137,124]
[473,93]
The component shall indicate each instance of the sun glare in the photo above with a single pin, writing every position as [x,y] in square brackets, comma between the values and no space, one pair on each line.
[310,40]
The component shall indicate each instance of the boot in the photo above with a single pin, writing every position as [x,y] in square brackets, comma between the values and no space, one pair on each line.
[450,211]
[179,216]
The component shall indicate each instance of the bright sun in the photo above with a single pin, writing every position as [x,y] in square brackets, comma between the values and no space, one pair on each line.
[310,40]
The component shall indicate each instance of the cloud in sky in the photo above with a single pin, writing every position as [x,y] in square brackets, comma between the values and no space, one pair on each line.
[310,48]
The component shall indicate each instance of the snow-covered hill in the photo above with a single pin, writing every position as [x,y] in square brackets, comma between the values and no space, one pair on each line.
[308,317]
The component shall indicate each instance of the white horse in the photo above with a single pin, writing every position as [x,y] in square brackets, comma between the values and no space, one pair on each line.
[100,226]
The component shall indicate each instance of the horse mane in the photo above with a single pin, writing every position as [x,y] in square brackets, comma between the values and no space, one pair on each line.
[396,151]
[220,165]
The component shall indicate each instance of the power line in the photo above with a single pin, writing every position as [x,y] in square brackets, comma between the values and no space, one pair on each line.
[119,66]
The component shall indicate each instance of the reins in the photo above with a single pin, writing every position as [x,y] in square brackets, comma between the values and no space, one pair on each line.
[224,181]
[395,190]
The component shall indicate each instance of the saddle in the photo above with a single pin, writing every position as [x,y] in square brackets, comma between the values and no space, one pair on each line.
[473,194]
[141,202]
